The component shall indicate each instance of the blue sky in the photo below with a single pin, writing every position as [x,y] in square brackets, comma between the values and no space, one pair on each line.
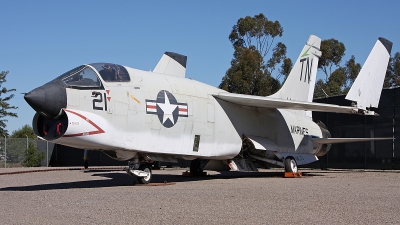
[42,39]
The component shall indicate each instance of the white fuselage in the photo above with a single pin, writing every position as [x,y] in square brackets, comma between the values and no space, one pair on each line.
[126,114]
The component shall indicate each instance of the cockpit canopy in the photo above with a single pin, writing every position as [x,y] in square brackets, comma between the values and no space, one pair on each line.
[88,75]
[111,72]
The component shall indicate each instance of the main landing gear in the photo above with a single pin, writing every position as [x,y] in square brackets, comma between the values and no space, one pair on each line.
[142,172]
[85,159]
[196,167]
[290,165]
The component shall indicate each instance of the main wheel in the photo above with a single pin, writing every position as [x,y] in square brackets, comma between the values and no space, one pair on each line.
[290,165]
[195,169]
[146,179]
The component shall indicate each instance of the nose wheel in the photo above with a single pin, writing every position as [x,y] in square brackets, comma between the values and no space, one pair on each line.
[142,172]
[148,175]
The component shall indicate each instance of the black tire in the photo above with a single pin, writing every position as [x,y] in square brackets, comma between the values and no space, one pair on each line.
[147,179]
[195,168]
[86,164]
[290,165]
[156,165]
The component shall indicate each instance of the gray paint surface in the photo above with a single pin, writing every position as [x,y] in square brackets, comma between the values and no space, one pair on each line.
[108,197]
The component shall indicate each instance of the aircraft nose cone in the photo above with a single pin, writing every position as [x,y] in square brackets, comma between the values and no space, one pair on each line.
[48,99]
[35,98]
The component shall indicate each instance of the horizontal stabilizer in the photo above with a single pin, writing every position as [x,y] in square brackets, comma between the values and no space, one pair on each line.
[346,140]
[268,102]
[172,64]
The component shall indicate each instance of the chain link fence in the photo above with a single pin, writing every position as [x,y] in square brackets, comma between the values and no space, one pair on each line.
[13,151]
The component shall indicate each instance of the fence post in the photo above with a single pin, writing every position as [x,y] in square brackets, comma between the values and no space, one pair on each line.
[5,151]
[26,142]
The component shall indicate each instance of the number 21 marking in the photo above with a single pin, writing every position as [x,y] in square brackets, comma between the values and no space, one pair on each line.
[98,100]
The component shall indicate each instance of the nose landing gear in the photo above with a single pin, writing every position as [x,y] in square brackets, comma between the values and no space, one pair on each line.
[146,175]
[142,172]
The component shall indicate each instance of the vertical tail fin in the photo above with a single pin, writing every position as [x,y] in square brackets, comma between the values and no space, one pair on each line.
[172,64]
[300,84]
[367,87]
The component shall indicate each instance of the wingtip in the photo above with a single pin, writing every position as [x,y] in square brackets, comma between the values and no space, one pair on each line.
[388,44]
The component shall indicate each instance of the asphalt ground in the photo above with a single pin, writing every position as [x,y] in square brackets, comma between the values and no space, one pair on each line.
[109,196]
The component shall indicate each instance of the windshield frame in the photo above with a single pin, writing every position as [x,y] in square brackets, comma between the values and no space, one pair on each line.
[75,72]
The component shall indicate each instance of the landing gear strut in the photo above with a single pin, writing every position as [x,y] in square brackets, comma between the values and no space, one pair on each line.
[85,159]
[196,167]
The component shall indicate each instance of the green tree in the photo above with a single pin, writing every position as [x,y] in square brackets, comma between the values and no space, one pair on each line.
[19,141]
[320,87]
[32,156]
[5,107]
[24,130]
[352,69]
[252,39]
[332,54]
[255,31]
[246,75]
[338,79]
[285,69]
[392,78]
[278,55]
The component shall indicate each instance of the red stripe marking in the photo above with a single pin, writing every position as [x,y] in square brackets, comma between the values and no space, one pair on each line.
[98,131]
[151,106]
[182,110]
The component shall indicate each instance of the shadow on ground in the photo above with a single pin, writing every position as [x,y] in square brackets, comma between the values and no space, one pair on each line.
[116,179]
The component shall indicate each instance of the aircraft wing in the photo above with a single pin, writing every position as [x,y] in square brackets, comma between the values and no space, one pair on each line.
[268,102]
[346,140]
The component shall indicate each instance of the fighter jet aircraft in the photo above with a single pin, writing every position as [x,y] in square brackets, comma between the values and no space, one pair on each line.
[143,117]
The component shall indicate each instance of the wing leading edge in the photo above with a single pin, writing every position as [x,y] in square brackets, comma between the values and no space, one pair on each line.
[268,102]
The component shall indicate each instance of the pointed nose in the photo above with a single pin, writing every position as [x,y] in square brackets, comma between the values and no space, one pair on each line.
[48,99]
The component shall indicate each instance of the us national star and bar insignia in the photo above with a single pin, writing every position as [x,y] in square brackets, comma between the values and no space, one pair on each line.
[167,108]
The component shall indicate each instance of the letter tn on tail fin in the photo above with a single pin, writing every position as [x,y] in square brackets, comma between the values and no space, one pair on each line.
[367,88]
[299,85]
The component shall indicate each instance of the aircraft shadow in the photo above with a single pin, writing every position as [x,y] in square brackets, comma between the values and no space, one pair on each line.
[162,178]
[116,179]
[122,179]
